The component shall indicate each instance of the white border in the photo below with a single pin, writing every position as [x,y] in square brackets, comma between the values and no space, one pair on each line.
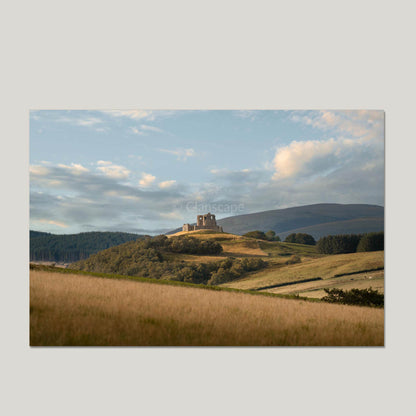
[228,55]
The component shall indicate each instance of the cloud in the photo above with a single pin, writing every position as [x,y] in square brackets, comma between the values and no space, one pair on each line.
[144,130]
[75,168]
[52,222]
[132,114]
[307,158]
[37,170]
[251,115]
[111,170]
[80,121]
[91,199]
[358,140]
[355,123]
[167,184]
[91,121]
[182,154]
[172,215]
[151,128]
[147,179]
[135,130]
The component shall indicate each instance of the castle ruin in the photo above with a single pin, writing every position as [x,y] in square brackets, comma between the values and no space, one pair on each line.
[203,222]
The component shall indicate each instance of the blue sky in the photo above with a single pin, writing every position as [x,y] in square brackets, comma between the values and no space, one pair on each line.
[149,171]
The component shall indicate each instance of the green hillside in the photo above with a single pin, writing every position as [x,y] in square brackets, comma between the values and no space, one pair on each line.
[224,259]
[73,247]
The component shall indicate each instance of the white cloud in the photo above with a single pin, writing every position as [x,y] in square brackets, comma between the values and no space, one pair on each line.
[135,130]
[38,170]
[247,114]
[81,121]
[310,157]
[144,129]
[111,170]
[151,128]
[147,179]
[357,123]
[167,184]
[133,114]
[90,121]
[182,154]
[74,168]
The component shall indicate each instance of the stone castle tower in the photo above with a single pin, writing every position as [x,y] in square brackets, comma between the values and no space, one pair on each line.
[203,222]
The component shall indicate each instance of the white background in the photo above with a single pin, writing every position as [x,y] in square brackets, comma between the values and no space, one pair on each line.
[207,55]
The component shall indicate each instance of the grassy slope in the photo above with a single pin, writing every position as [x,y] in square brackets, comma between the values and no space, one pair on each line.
[324,267]
[69,309]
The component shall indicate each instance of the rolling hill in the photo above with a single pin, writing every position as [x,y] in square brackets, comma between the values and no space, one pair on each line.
[318,220]
[73,247]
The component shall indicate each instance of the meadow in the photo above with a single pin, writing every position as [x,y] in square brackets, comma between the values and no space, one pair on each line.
[325,267]
[77,309]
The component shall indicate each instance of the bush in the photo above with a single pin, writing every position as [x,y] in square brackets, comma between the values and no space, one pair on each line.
[191,245]
[256,234]
[362,297]
[371,242]
[260,235]
[293,260]
[300,238]
[271,236]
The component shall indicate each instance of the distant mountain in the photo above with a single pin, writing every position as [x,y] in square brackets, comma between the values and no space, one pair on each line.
[318,220]
[69,248]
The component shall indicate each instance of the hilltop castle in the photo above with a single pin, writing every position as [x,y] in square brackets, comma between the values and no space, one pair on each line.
[203,222]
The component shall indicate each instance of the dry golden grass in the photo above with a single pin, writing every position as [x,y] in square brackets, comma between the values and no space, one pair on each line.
[315,289]
[324,267]
[84,310]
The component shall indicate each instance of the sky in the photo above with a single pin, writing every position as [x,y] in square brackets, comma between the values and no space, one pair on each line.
[150,171]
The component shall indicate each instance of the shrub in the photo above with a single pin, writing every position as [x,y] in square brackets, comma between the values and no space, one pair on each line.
[256,234]
[293,260]
[362,297]
[271,236]
[300,238]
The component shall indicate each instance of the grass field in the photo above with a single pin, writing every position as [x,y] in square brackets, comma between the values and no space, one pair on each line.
[324,267]
[74,309]
[315,289]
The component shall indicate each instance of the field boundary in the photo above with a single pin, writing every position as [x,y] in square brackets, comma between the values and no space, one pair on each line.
[361,271]
[312,279]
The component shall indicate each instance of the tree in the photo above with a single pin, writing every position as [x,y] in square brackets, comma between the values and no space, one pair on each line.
[300,238]
[270,235]
[256,234]
[371,242]
[338,244]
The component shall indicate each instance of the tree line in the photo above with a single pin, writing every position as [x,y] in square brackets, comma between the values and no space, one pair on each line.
[331,244]
[351,243]
[298,238]
[69,248]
